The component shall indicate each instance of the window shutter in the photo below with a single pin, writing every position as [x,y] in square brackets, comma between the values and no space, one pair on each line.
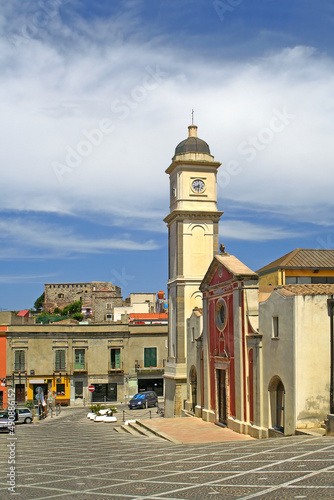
[150,356]
[60,360]
[117,358]
[19,360]
[153,356]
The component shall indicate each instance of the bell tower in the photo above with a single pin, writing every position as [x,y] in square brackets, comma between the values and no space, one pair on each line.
[193,241]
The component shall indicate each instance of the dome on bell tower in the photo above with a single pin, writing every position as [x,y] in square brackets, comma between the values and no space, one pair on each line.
[192,144]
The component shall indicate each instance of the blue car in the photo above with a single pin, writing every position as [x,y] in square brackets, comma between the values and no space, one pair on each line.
[143,400]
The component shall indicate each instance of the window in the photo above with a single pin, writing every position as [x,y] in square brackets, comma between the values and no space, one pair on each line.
[150,356]
[108,316]
[275,327]
[60,360]
[115,359]
[60,295]
[79,359]
[108,306]
[60,388]
[221,314]
[19,361]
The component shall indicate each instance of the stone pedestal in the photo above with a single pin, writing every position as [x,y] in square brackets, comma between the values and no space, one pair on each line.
[330,425]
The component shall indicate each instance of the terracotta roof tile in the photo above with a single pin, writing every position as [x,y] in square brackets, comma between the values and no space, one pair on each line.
[24,312]
[312,289]
[148,316]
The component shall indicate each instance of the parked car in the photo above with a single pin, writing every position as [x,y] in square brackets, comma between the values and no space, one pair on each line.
[144,400]
[24,415]
[6,425]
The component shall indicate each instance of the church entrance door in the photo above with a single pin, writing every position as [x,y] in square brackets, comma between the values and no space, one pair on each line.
[221,380]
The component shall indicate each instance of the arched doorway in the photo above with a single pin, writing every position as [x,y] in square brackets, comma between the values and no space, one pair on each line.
[193,387]
[277,401]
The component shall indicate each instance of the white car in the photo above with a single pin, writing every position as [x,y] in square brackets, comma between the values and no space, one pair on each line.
[24,415]
[6,425]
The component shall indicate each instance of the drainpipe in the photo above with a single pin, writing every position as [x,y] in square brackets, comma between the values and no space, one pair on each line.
[330,306]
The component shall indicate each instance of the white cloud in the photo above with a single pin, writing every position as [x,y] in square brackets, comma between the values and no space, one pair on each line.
[15,279]
[58,90]
[241,230]
[20,239]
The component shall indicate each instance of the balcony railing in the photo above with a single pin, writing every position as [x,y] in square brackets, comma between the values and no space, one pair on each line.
[19,367]
[149,369]
[60,368]
[79,366]
[115,368]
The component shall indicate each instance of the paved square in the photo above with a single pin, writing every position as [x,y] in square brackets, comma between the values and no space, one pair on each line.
[71,457]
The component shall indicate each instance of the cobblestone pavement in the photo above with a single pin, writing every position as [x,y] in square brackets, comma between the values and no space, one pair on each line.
[71,457]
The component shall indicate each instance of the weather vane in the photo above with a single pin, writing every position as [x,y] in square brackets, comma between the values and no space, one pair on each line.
[192,117]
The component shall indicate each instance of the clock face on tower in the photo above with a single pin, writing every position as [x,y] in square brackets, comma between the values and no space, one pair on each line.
[198,185]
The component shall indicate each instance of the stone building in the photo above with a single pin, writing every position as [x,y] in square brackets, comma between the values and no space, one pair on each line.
[98,297]
[104,302]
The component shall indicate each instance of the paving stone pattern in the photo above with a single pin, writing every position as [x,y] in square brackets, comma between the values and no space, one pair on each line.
[71,457]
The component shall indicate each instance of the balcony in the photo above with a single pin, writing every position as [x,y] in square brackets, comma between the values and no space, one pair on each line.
[80,367]
[19,369]
[152,370]
[115,368]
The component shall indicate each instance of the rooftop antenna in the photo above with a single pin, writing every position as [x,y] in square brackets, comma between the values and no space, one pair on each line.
[192,117]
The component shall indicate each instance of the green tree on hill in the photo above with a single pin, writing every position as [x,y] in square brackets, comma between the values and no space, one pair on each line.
[39,302]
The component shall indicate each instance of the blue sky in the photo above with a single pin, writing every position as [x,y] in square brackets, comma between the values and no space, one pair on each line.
[94,98]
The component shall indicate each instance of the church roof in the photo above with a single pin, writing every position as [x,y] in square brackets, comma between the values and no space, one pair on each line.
[234,265]
[302,258]
[192,144]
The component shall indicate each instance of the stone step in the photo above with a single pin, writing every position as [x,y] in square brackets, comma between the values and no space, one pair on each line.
[127,429]
[156,433]
[142,430]
[120,430]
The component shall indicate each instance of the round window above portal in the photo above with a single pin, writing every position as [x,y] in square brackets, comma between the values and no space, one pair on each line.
[221,314]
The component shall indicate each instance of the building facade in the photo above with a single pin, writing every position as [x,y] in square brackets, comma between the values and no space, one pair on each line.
[300,266]
[262,364]
[232,359]
[3,366]
[295,326]
[63,360]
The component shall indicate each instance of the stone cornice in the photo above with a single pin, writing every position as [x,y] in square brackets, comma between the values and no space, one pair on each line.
[187,214]
[192,163]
